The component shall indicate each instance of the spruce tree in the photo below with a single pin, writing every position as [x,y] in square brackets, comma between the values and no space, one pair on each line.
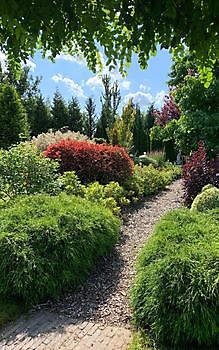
[75,117]
[41,116]
[59,111]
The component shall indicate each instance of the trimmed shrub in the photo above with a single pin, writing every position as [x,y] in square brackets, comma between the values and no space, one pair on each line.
[175,295]
[148,180]
[198,172]
[48,244]
[42,141]
[24,170]
[207,199]
[92,162]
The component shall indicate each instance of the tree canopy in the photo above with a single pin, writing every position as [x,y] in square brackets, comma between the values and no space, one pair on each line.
[119,26]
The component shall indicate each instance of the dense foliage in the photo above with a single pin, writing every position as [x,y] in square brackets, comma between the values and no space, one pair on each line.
[207,199]
[198,171]
[48,244]
[42,141]
[92,162]
[13,119]
[121,27]
[175,295]
[24,170]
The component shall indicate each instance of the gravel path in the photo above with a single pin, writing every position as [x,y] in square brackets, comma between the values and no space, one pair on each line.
[104,298]
[98,316]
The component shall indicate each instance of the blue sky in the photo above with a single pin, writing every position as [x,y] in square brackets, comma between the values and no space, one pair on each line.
[72,77]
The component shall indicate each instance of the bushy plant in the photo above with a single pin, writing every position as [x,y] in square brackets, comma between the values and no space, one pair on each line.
[48,244]
[207,199]
[13,118]
[24,170]
[149,180]
[197,172]
[42,141]
[92,162]
[70,183]
[110,196]
[175,295]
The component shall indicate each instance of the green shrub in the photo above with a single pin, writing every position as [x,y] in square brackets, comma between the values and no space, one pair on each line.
[206,187]
[110,196]
[48,244]
[71,184]
[23,170]
[176,294]
[148,180]
[207,199]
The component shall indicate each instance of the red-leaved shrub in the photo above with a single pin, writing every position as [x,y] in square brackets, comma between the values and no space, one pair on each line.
[198,172]
[92,162]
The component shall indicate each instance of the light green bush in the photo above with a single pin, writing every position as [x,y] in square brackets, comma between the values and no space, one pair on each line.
[24,170]
[207,199]
[148,180]
[49,243]
[176,292]
[71,184]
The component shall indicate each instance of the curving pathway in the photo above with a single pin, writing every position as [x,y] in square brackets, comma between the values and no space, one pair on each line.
[98,316]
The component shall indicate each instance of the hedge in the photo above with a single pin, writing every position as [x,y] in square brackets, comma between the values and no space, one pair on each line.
[48,244]
[175,295]
[92,162]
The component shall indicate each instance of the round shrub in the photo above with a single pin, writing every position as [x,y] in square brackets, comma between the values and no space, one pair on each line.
[24,170]
[207,199]
[175,295]
[92,162]
[48,244]
[206,187]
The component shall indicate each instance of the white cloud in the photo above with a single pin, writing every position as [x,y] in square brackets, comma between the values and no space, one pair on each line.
[74,87]
[144,99]
[67,57]
[125,84]
[159,98]
[95,81]
[144,87]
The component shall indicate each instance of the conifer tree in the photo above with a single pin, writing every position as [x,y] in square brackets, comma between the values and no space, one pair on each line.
[90,108]
[41,116]
[75,120]
[59,111]
[13,118]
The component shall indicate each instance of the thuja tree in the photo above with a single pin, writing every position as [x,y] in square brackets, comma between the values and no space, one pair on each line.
[13,118]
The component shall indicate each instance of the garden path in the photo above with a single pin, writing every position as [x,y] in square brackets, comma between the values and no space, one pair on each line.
[98,316]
